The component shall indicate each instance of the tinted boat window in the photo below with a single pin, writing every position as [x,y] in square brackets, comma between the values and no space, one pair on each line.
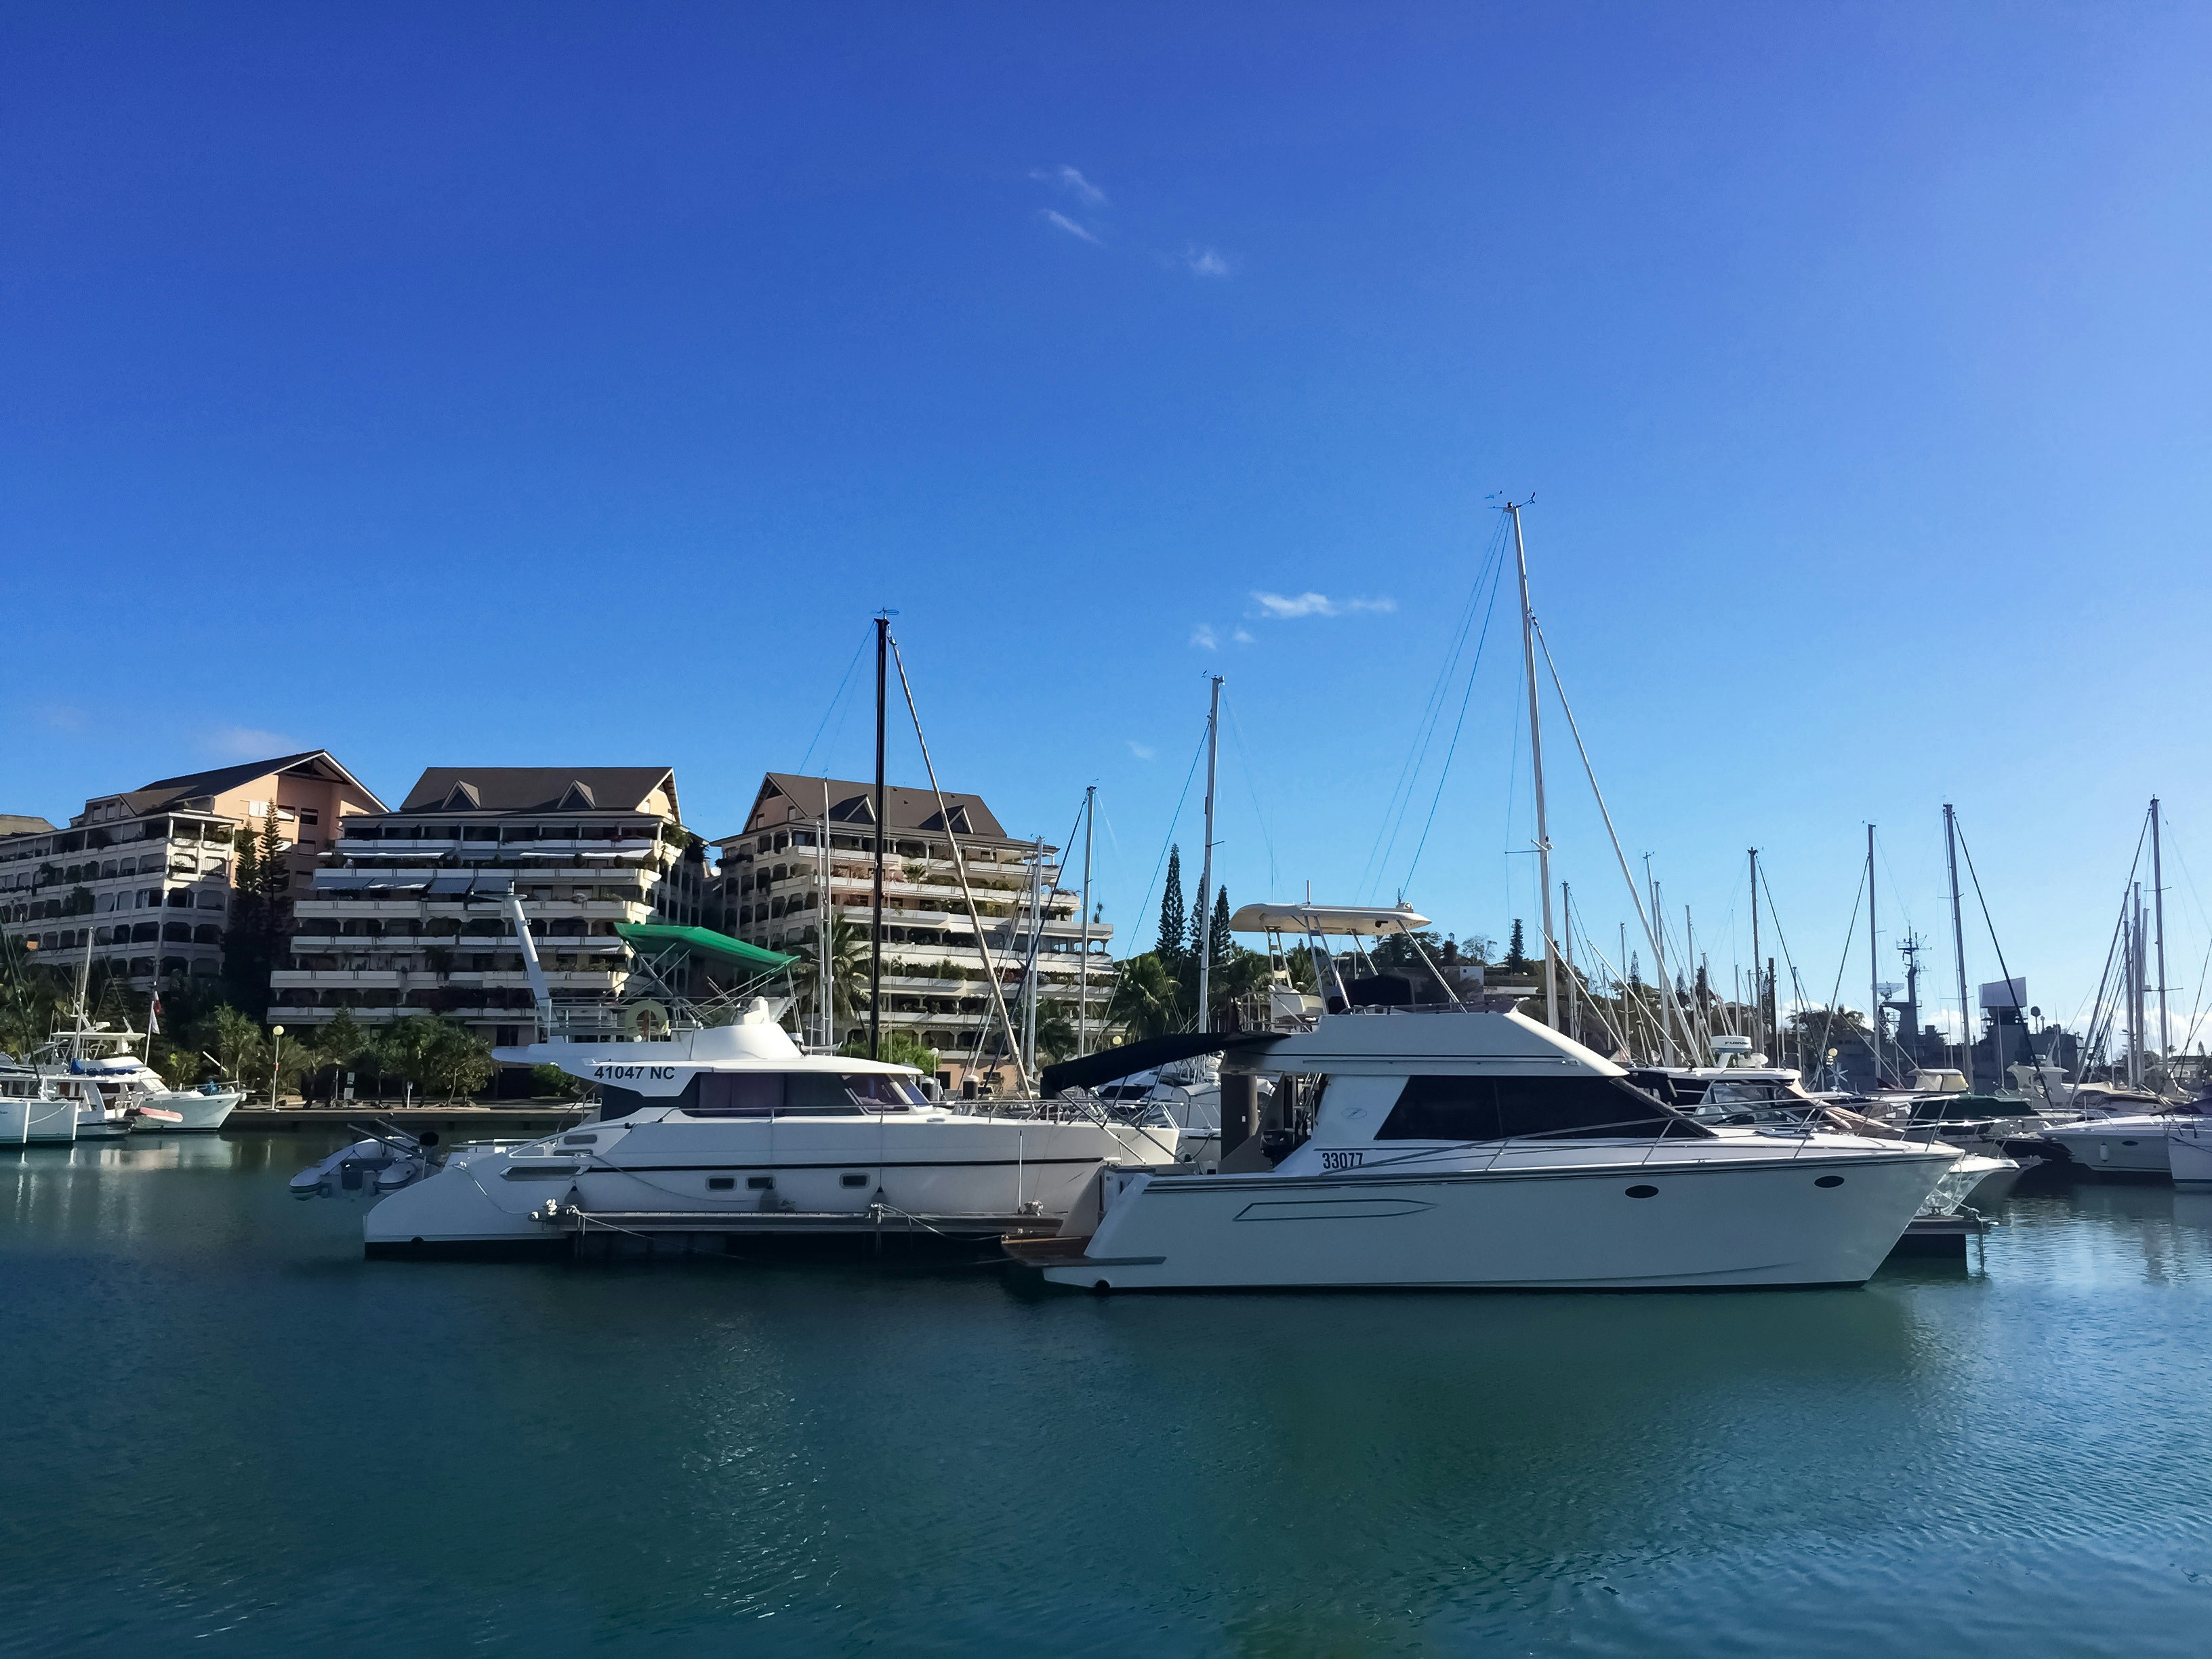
[1497,1109]
[882,1092]
[736,1094]
[817,1094]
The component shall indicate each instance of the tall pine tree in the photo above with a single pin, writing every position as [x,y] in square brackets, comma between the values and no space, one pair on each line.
[1218,944]
[1515,961]
[1170,949]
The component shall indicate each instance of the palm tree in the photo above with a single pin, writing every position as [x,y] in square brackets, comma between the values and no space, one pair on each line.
[849,964]
[1145,999]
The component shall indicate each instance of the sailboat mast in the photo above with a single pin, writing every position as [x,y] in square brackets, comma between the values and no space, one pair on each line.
[876,931]
[1567,938]
[1083,962]
[1757,995]
[1874,968]
[2157,912]
[1536,769]
[1958,947]
[1204,943]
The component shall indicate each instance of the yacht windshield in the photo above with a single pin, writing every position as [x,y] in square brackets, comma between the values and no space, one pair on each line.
[1468,1109]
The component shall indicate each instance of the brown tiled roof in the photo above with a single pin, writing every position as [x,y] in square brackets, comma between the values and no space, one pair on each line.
[537,788]
[167,791]
[785,796]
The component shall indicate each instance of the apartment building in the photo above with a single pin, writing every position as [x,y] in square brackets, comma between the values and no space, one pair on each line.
[406,915]
[807,852]
[145,877]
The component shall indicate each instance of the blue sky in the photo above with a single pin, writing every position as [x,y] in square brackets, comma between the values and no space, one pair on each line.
[533,384]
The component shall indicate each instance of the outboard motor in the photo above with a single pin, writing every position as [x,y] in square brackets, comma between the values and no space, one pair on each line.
[388,1160]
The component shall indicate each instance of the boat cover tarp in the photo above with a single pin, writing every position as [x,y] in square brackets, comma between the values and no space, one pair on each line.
[702,938]
[1363,918]
[1148,1054]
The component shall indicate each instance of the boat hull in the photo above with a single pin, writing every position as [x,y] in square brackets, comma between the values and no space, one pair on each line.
[201,1114]
[1620,1225]
[33,1123]
[2115,1146]
[828,1171]
[2189,1158]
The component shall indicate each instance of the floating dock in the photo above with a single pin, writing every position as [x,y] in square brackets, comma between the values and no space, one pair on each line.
[1942,1235]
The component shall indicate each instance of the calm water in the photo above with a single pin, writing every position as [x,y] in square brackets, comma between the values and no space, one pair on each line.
[226,1433]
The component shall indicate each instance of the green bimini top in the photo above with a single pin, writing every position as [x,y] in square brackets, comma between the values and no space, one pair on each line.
[702,938]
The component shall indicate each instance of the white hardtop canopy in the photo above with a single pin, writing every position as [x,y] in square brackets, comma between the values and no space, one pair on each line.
[1361,919]
[752,1044]
[1398,1044]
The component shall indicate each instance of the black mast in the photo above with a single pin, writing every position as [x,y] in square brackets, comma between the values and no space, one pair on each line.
[875,933]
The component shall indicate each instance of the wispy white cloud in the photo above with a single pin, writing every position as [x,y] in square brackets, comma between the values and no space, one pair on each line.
[1143,751]
[1205,261]
[1309,604]
[1067,179]
[1203,637]
[1062,222]
[249,743]
[1243,636]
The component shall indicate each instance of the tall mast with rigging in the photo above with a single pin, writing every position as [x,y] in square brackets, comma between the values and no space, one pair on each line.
[1958,947]
[1536,767]
[1083,962]
[1757,995]
[876,931]
[1874,968]
[2158,910]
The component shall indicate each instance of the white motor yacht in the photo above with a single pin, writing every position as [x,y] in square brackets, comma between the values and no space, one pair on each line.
[1484,1150]
[734,1128]
[32,1112]
[120,1092]
[2136,1143]
[728,1123]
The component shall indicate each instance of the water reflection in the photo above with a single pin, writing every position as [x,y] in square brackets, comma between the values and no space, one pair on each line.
[630,1458]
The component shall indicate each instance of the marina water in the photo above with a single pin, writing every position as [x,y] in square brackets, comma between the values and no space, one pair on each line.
[226,1433]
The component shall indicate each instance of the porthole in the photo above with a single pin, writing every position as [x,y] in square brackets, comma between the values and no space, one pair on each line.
[760,1184]
[720,1183]
[2127,1143]
[1829,1181]
[852,1180]
[1644,1192]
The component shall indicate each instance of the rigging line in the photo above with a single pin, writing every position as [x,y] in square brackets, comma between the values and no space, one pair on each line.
[2101,1021]
[1493,572]
[1828,1024]
[1160,863]
[959,866]
[2093,1037]
[1997,1044]
[834,698]
[1591,772]
[1401,791]
[1473,669]
[1252,788]
[1774,911]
